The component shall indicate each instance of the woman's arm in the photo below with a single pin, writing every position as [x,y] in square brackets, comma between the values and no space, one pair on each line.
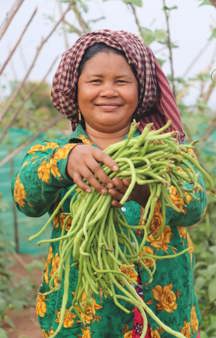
[37,185]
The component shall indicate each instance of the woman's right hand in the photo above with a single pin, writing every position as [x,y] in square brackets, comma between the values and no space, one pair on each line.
[84,164]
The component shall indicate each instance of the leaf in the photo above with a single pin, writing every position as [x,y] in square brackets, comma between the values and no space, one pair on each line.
[3,305]
[203,334]
[213,33]
[138,3]
[204,2]
[212,290]
[210,272]
[3,333]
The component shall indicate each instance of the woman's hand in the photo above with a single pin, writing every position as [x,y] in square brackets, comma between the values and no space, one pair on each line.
[84,164]
[139,194]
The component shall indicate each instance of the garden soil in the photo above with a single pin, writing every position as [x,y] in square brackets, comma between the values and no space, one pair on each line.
[24,321]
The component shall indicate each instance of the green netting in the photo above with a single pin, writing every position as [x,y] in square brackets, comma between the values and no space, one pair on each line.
[9,215]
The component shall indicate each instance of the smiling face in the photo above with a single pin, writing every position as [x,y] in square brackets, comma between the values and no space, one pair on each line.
[107,92]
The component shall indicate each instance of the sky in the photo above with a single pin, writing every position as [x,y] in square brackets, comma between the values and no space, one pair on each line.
[190,29]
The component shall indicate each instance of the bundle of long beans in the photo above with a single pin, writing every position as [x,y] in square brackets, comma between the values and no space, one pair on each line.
[101,243]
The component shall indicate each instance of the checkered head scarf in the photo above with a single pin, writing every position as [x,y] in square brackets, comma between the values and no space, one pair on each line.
[156,101]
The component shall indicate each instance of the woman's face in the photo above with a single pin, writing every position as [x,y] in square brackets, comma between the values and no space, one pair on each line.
[107,92]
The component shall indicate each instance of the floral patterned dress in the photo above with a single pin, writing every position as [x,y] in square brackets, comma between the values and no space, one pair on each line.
[38,186]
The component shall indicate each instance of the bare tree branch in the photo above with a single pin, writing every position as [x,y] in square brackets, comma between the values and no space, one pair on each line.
[16,151]
[73,28]
[18,41]
[197,57]
[38,51]
[10,15]
[83,24]
[63,25]
[136,19]
[25,98]
[169,45]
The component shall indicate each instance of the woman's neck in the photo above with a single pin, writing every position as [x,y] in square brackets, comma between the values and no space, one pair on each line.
[105,139]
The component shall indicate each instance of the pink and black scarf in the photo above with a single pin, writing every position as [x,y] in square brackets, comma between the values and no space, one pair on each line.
[156,101]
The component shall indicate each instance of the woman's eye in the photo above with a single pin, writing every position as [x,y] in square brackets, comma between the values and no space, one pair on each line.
[121,81]
[95,81]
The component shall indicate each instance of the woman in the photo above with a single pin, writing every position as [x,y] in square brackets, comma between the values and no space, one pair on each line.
[103,82]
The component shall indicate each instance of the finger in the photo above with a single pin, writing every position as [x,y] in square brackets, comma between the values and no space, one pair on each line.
[96,169]
[115,194]
[89,176]
[118,184]
[100,156]
[79,182]
[116,204]
[126,181]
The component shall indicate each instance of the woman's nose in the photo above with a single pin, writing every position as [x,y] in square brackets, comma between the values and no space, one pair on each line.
[108,90]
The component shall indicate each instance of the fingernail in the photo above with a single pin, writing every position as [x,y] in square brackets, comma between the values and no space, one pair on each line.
[88,190]
[115,168]
[103,191]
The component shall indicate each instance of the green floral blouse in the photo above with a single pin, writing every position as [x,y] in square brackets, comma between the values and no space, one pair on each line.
[40,183]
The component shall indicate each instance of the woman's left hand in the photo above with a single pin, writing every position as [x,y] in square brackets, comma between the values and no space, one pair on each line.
[139,194]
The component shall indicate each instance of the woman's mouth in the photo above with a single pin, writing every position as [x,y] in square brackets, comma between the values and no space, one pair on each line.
[108,107]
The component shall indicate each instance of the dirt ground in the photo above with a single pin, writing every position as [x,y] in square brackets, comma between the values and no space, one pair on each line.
[25,321]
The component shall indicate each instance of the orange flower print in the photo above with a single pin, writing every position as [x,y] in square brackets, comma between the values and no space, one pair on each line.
[162,241]
[68,318]
[40,306]
[41,147]
[188,197]
[149,262]
[62,220]
[46,273]
[190,244]
[155,334]
[19,192]
[48,334]
[129,271]
[84,139]
[55,266]
[157,220]
[44,171]
[182,232]
[54,168]
[48,262]
[128,334]
[50,255]
[186,330]
[88,310]
[194,319]
[165,297]
[62,153]
[86,333]
[176,199]
[36,147]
